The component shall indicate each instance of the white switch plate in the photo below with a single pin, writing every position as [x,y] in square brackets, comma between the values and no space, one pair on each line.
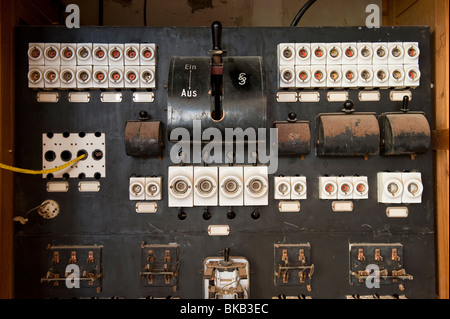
[390,188]
[206,186]
[299,188]
[231,186]
[180,186]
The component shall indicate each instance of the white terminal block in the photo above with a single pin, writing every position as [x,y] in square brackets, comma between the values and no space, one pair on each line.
[334,76]
[115,54]
[51,54]
[68,53]
[132,54]
[334,53]
[349,53]
[36,54]
[349,76]
[412,76]
[36,76]
[287,76]
[115,76]
[319,76]
[381,76]
[84,76]
[365,76]
[412,187]
[318,54]
[412,52]
[345,187]
[298,187]
[380,53]
[84,54]
[303,76]
[60,148]
[131,76]
[389,188]
[396,76]
[51,77]
[365,53]
[136,188]
[206,186]
[360,187]
[328,188]
[100,76]
[282,187]
[303,54]
[100,54]
[396,53]
[148,53]
[231,186]
[256,186]
[68,77]
[286,54]
[153,188]
[147,76]
[180,184]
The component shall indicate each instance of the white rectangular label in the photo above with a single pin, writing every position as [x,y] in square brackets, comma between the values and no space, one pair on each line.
[369,96]
[309,97]
[218,230]
[289,207]
[397,96]
[337,206]
[89,186]
[111,97]
[337,96]
[57,187]
[397,212]
[146,207]
[287,97]
[47,97]
[79,97]
[141,97]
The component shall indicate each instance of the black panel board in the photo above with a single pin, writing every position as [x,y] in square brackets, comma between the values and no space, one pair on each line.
[108,217]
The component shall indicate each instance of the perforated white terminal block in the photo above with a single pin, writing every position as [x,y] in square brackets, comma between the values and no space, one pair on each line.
[60,148]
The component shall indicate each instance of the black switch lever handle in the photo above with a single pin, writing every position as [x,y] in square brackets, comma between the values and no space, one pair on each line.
[216,29]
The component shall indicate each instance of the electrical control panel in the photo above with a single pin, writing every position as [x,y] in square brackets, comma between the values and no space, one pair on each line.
[224,163]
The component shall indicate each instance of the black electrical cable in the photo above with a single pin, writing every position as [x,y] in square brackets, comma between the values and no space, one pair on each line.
[145,13]
[301,12]
[100,13]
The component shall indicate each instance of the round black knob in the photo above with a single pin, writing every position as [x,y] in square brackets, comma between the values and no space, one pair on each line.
[143,115]
[348,105]
[292,116]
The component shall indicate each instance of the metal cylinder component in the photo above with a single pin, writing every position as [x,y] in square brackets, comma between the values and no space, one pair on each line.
[356,134]
[404,133]
[143,138]
[294,138]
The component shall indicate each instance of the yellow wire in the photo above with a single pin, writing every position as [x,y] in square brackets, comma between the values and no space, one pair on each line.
[44,171]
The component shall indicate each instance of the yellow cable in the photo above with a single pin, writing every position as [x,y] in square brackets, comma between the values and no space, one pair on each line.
[44,171]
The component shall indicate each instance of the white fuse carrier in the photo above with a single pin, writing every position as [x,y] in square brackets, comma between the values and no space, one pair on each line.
[180,186]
